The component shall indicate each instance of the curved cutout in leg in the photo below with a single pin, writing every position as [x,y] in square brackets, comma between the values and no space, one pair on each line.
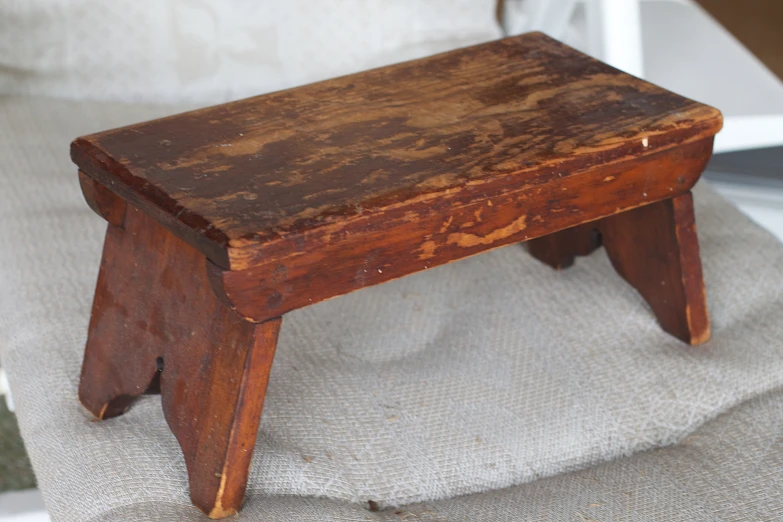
[112,374]
[213,393]
[156,319]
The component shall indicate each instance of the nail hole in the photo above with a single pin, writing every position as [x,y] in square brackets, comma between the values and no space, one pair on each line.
[159,364]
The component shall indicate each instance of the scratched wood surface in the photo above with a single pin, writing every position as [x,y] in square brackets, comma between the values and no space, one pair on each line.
[457,226]
[223,219]
[330,162]
[156,320]
[655,249]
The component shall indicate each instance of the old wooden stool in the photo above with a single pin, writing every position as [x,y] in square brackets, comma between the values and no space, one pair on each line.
[223,219]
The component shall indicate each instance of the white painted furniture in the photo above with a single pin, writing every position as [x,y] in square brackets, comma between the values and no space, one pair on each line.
[675,44]
[6,390]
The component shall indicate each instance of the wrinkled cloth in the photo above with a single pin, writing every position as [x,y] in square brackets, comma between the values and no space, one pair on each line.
[211,51]
[487,373]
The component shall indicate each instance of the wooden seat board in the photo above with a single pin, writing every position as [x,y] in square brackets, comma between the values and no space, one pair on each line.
[231,178]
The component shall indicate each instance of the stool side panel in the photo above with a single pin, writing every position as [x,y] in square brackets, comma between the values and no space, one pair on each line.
[324,264]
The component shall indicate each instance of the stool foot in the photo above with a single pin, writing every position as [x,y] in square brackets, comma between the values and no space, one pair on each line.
[155,319]
[656,250]
[213,405]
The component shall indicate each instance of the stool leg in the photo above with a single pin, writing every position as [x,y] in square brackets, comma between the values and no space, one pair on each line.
[213,405]
[656,250]
[155,317]
[558,250]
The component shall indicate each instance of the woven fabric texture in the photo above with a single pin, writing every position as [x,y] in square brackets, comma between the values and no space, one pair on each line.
[483,374]
[729,470]
[217,50]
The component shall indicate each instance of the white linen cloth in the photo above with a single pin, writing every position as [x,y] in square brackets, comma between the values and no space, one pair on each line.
[218,50]
[483,374]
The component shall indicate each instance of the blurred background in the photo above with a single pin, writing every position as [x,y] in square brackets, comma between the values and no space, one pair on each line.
[186,53]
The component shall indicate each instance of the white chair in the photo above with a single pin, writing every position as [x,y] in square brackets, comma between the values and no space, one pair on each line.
[675,44]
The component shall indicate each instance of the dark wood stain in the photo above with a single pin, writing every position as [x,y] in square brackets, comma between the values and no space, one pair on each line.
[222,220]
[234,178]
[333,262]
[656,250]
[153,308]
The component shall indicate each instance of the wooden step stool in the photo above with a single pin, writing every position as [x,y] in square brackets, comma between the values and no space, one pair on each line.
[223,219]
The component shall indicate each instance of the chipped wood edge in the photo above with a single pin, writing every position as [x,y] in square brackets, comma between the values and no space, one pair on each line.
[248,408]
[239,254]
[692,278]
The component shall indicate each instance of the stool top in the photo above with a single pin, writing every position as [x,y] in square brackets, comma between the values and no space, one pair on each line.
[233,178]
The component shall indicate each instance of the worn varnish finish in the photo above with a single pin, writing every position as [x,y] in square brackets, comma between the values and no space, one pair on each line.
[240,179]
[222,220]
[656,250]
[154,311]
[449,228]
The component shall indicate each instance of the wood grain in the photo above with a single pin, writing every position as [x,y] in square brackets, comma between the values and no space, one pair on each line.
[240,179]
[222,220]
[655,248]
[154,315]
[327,264]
